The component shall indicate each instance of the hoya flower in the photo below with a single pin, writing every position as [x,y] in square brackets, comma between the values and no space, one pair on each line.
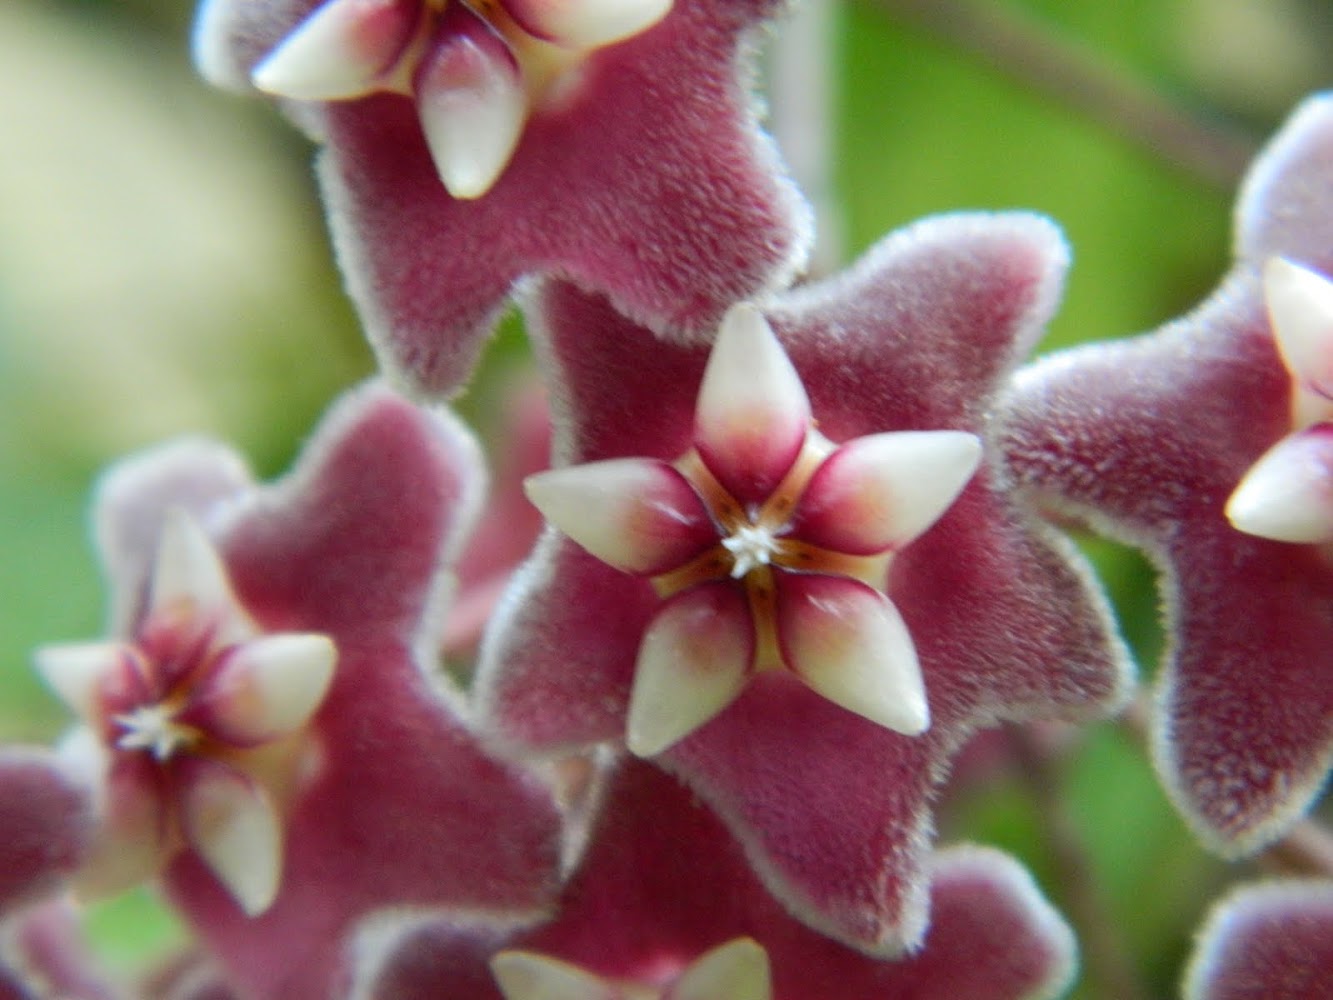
[181,711]
[1204,444]
[1272,941]
[696,924]
[586,139]
[789,579]
[270,713]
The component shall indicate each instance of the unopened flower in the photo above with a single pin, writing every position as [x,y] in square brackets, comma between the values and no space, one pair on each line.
[785,563]
[1206,443]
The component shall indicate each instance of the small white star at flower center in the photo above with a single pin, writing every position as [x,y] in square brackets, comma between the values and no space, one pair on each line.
[153,727]
[752,546]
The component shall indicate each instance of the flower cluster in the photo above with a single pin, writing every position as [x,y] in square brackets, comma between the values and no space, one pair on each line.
[785,559]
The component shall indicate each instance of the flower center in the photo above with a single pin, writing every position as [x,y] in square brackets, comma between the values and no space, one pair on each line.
[751,546]
[154,728]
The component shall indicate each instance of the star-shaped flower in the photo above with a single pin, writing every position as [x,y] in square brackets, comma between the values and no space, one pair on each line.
[992,619]
[1155,440]
[308,787]
[622,151]
[1272,941]
[696,924]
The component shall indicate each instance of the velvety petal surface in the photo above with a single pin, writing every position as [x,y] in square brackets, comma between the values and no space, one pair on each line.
[395,803]
[606,187]
[47,817]
[1146,439]
[645,901]
[1272,941]
[1005,622]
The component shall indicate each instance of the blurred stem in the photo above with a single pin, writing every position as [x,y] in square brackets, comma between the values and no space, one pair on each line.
[1106,959]
[1025,50]
[801,93]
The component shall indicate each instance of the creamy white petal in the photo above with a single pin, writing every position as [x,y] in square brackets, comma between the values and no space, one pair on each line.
[265,688]
[693,662]
[74,671]
[1287,495]
[473,107]
[189,579]
[848,642]
[525,975]
[737,970]
[339,51]
[638,515]
[230,821]
[587,24]
[1300,306]
[752,414]
[883,490]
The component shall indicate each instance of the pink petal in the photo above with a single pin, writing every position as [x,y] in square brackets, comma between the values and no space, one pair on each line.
[339,51]
[472,101]
[881,491]
[1288,494]
[586,24]
[848,642]
[638,515]
[752,414]
[46,825]
[1269,941]
[190,588]
[695,659]
[131,842]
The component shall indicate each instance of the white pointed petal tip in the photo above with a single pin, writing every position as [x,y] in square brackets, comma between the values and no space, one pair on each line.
[588,24]
[638,515]
[1300,307]
[473,106]
[74,672]
[737,970]
[267,687]
[850,644]
[1287,496]
[693,662]
[338,52]
[753,412]
[189,578]
[525,975]
[230,821]
[884,490]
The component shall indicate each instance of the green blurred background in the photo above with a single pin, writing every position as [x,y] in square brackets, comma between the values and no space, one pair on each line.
[164,269]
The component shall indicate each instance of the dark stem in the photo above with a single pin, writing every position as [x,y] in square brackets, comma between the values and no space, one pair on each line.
[1106,959]
[1085,81]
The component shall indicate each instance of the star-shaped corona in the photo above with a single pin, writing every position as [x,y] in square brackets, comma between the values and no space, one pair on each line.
[768,544]
[1287,495]
[475,69]
[736,970]
[192,723]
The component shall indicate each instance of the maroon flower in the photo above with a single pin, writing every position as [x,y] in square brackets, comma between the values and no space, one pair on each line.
[46,825]
[1157,439]
[1272,941]
[807,638]
[617,154]
[665,906]
[267,717]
